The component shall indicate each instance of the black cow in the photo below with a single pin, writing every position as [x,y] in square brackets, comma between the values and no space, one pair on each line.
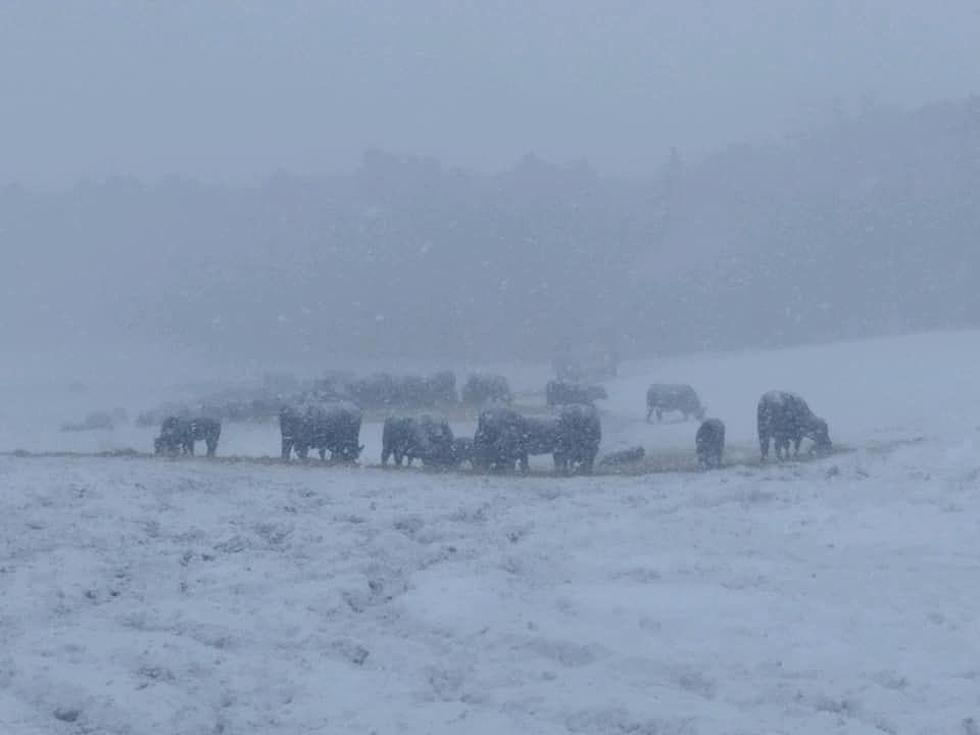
[178,434]
[709,444]
[563,392]
[424,438]
[480,390]
[673,397]
[500,440]
[540,437]
[577,443]
[335,428]
[784,418]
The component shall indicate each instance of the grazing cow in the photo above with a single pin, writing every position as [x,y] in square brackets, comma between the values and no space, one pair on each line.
[425,438]
[482,389]
[577,443]
[400,437]
[623,457]
[179,434]
[562,393]
[784,418]
[295,436]
[500,440]
[709,444]
[335,428]
[540,437]
[673,397]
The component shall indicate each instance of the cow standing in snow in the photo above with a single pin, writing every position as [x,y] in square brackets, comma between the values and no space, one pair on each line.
[785,418]
[577,442]
[500,440]
[179,434]
[709,444]
[424,438]
[662,398]
[540,437]
[335,428]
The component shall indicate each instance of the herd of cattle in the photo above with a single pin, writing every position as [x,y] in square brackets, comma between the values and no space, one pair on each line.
[505,438]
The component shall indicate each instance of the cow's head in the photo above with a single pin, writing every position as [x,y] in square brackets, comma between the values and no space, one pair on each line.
[820,435]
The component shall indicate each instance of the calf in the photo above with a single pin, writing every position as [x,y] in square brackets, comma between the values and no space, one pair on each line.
[709,444]
[785,418]
[622,457]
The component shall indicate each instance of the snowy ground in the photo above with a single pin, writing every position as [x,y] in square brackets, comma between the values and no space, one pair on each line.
[154,596]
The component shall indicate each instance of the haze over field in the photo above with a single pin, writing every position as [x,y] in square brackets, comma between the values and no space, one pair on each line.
[304,183]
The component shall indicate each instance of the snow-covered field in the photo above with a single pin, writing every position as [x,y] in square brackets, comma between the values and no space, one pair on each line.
[840,595]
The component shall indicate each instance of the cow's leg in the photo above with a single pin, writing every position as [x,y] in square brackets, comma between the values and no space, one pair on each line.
[649,413]
[764,447]
[212,447]
[660,415]
[399,456]
[782,448]
[385,454]
[525,463]
[322,451]
[287,449]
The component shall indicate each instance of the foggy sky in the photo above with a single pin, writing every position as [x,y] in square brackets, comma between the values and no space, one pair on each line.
[236,90]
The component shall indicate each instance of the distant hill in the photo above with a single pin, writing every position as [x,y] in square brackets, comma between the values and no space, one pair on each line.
[866,226]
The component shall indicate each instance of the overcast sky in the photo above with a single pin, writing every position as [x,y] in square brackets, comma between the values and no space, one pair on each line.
[234,90]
